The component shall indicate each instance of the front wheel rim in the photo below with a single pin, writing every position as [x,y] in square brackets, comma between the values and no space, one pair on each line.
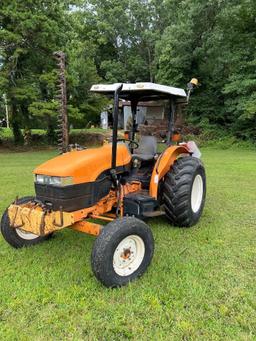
[26,235]
[197,193]
[128,255]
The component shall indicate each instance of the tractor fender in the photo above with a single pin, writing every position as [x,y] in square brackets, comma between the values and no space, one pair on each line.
[163,165]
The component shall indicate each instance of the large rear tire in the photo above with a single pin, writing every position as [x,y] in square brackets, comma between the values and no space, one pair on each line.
[184,191]
[17,237]
[122,252]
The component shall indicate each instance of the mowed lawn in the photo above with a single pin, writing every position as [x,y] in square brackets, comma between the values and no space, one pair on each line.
[201,284]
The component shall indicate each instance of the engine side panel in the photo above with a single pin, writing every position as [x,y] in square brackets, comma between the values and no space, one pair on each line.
[77,196]
[73,197]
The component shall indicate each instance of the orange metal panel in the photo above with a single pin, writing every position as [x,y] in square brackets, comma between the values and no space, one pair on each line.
[163,165]
[87,227]
[85,165]
[94,216]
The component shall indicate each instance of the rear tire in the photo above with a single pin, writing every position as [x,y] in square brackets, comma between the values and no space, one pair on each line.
[122,252]
[17,237]
[184,191]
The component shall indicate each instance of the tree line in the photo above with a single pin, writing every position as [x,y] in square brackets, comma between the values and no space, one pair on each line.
[167,42]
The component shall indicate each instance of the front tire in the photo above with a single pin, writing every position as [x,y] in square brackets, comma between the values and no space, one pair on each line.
[17,237]
[122,252]
[184,191]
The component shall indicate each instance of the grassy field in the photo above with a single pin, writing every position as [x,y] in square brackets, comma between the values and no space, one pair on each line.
[200,286]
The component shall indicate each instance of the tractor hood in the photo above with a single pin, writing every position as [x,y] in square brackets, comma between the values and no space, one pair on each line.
[84,165]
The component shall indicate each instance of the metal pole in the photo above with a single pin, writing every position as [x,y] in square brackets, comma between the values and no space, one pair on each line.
[115,125]
[171,121]
[134,112]
[134,103]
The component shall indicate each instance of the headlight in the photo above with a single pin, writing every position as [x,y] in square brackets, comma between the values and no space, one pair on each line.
[54,180]
[40,178]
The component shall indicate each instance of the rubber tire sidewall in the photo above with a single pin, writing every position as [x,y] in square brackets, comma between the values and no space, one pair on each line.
[106,244]
[195,216]
[10,234]
[187,217]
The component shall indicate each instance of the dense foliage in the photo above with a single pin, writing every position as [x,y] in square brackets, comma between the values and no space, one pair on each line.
[108,40]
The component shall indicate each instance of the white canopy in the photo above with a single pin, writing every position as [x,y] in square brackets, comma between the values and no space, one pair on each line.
[145,89]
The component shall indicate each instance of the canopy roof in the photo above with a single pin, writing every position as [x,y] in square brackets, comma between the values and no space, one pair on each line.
[140,91]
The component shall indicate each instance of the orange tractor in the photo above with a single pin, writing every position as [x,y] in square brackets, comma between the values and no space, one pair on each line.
[122,184]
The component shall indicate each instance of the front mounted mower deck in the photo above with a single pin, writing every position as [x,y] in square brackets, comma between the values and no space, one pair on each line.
[121,183]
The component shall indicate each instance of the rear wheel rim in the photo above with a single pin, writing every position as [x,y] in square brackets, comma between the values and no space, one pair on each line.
[128,255]
[26,235]
[197,193]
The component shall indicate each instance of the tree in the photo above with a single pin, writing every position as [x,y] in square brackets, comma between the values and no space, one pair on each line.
[30,32]
[84,107]
[214,41]
[123,36]
[119,41]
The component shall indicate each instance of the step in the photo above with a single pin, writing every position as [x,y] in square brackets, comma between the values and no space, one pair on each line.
[140,203]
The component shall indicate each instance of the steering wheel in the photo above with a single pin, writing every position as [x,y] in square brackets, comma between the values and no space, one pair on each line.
[132,144]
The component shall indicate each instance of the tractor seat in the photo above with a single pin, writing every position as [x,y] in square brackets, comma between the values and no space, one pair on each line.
[147,149]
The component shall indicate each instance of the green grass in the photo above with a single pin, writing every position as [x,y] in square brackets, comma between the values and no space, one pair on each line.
[200,285]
